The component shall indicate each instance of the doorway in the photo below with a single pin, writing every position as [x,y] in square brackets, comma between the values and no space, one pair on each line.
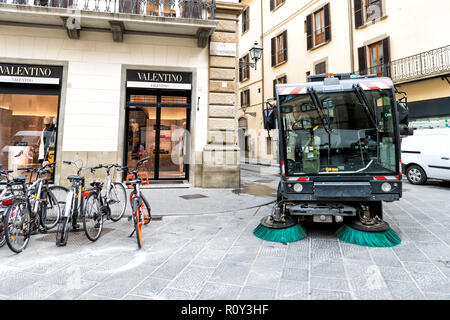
[158,127]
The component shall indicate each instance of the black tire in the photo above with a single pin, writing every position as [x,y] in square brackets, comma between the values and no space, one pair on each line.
[51,211]
[62,232]
[92,217]
[136,217]
[17,226]
[119,203]
[146,210]
[416,175]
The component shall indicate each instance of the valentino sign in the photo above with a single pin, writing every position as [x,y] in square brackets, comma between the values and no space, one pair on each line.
[159,79]
[37,74]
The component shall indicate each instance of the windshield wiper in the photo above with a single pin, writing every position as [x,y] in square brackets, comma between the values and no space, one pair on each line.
[316,101]
[365,104]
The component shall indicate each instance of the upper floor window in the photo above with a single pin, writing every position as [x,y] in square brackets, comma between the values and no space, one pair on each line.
[246,20]
[379,56]
[245,98]
[318,27]
[321,67]
[279,49]
[367,11]
[275,4]
[279,80]
[244,71]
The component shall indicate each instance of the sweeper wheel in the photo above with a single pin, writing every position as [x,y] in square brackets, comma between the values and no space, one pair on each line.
[271,223]
[375,227]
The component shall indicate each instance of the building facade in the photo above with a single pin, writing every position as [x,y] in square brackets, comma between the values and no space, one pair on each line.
[400,39]
[115,81]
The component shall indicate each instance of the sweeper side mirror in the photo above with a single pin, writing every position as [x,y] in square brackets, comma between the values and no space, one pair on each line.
[269,117]
[403,115]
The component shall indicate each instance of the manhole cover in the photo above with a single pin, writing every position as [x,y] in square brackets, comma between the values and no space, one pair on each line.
[193,196]
[75,238]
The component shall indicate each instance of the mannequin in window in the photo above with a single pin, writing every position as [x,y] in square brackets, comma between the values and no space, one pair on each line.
[135,139]
[48,139]
[180,137]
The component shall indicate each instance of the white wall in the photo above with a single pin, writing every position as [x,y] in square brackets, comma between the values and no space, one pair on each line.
[94,77]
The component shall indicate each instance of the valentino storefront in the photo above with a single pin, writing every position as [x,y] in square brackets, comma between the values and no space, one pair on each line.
[108,92]
[29,108]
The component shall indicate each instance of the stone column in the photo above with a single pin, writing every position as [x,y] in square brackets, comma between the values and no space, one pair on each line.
[221,154]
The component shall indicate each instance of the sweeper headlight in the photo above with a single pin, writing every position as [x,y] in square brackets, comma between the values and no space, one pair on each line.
[298,187]
[386,187]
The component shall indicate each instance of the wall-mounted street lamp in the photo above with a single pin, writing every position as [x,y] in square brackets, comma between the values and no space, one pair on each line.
[255,55]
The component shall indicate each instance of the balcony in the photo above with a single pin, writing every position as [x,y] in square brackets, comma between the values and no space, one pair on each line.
[421,66]
[179,18]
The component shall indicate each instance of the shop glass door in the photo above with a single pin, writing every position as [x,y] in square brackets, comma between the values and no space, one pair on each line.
[158,128]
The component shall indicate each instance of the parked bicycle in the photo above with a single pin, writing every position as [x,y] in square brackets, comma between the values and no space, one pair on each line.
[6,197]
[141,211]
[99,205]
[35,211]
[73,204]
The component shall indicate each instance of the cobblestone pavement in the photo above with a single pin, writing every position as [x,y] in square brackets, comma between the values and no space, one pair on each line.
[216,256]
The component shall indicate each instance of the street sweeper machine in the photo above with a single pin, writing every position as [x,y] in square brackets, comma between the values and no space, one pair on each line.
[339,149]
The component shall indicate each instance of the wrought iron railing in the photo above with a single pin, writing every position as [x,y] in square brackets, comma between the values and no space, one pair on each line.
[429,63]
[193,9]
[382,70]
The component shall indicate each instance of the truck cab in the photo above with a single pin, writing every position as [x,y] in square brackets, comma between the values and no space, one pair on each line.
[339,146]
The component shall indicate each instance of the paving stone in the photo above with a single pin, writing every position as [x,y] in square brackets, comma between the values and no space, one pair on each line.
[325,256]
[37,291]
[419,267]
[437,296]
[174,294]
[134,297]
[329,284]
[351,251]
[295,274]
[242,254]
[263,277]
[296,261]
[191,279]
[293,290]
[117,286]
[404,291]
[231,272]
[72,291]
[13,281]
[150,287]
[430,282]
[328,270]
[395,273]
[218,291]
[317,294]
[410,253]
[253,293]
[324,244]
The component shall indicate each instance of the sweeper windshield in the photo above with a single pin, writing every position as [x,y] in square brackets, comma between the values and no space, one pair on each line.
[339,133]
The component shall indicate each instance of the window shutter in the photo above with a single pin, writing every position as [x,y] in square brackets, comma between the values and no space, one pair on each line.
[359,18]
[272,5]
[387,56]
[241,71]
[285,42]
[247,18]
[362,60]
[327,22]
[242,98]
[274,84]
[274,60]
[248,97]
[309,32]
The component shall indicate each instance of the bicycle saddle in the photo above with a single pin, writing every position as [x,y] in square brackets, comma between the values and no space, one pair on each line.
[96,183]
[74,177]
[19,180]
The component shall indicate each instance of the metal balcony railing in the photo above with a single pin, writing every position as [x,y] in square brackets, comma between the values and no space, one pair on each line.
[422,65]
[192,9]
[382,70]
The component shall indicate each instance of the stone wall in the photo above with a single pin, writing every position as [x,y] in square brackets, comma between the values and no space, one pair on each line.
[220,165]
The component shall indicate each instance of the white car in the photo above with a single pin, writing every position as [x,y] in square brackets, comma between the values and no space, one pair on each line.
[426,155]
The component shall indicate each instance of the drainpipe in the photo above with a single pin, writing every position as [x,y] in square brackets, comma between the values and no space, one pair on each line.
[350,23]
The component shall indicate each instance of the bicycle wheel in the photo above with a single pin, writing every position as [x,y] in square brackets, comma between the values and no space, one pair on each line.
[117,201]
[2,230]
[62,232]
[50,211]
[92,217]
[60,193]
[17,226]
[137,222]
[146,210]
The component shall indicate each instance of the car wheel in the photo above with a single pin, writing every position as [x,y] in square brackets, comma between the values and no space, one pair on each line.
[416,175]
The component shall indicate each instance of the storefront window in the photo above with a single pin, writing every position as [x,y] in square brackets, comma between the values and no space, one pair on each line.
[28,130]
